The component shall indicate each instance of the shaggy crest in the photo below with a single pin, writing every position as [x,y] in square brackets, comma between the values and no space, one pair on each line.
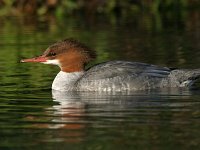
[69,44]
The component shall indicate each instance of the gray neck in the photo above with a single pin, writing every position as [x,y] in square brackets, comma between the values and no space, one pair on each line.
[66,81]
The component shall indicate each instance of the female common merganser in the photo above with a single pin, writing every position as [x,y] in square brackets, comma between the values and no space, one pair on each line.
[72,56]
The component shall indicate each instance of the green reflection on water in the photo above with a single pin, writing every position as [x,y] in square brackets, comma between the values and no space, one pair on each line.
[29,118]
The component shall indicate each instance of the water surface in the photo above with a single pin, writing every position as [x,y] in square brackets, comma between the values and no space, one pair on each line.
[34,117]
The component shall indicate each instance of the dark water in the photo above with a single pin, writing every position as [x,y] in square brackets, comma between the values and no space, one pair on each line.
[34,117]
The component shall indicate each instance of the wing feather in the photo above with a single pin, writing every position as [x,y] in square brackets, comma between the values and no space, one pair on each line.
[113,69]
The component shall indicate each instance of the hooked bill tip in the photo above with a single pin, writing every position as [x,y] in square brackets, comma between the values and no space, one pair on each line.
[21,60]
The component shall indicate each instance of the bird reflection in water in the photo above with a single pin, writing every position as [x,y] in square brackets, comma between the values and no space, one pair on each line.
[69,110]
[68,115]
[74,112]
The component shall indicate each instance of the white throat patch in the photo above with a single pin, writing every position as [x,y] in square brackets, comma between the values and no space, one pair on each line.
[52,62]
[66,81]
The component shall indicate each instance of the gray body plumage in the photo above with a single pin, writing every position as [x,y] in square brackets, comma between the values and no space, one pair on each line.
[124,75]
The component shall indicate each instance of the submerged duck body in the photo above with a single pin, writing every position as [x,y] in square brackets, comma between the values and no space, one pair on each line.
[71,56]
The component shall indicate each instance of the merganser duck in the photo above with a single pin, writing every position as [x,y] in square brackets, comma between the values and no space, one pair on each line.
[72,56]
